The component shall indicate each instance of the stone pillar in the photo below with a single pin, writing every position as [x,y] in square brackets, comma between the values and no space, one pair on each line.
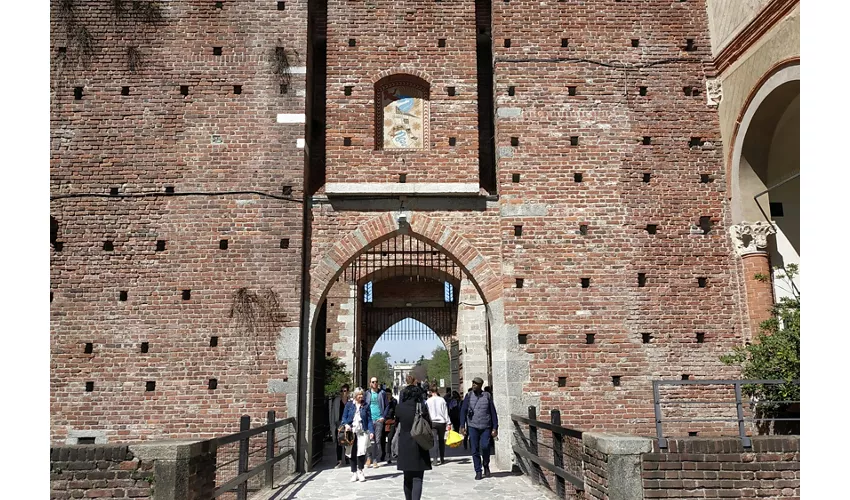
[750,242]
[183,470]
[472,335]
[613,465]
[345,323]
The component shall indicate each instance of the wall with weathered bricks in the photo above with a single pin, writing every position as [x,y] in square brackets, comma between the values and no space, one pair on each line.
[100,471]
[211,139]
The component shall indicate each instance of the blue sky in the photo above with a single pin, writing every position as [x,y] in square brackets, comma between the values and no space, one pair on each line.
[409,349]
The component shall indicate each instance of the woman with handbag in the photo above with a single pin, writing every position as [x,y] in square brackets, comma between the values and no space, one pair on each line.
[413,458]
[357,419]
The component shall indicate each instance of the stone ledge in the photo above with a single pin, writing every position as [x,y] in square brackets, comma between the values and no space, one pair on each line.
[170,450]
[617,444]
[413,188]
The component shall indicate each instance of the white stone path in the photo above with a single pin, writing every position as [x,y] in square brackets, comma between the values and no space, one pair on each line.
[454,480]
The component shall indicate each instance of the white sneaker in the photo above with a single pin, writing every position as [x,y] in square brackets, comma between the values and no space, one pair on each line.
[361,476]
[353,477]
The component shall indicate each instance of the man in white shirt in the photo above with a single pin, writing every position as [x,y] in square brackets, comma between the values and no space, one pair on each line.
[440,422]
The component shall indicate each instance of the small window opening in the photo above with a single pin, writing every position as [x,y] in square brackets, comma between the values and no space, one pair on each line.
[212,384]
[701,282]
[113,191]
[284,243]
[89,386]
[647,140]
[700,337]
[150,386]
[515,141]
[692,433]
[647,337]
[573,140]
[562,381]
[685,376]
[214,341]
[520,282]
[62,50]
[184,90]
[705,224]
[216,51]
[641,280]
[347,89]
[565,42]
[616,380]
[402,178]
[169,189]
[647,177]
[582,229]
[571,90]
[108,246]
[125,90]
[346,141]
[590,338]
[441,42]
[222,244]
[652,228]
[286,190]
[281,6]
[705,178]
[450,91]
[352,42]
[578,177]
[514,177]
[522,338]
[635,42]
[642,90]
[237,89]
[219,5]
[585,282]
[517,230]
[689,45]
[122,295]
[89,348]
[145,347]
[695,142]
[160,245]
[187,294]
[511,90]
[452,141]
[86,440]
[507,42]
[78,93]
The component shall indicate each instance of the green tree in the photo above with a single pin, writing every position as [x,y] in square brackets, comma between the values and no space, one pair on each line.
[379,367]
[438,366]
[775,354]
[335,376]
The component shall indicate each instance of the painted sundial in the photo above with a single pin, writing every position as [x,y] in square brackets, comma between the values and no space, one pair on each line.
[404,117]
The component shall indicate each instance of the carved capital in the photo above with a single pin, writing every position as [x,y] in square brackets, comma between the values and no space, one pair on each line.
[751,237]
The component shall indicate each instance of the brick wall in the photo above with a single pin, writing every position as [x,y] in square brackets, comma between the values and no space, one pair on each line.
[100,471]
[209,140]
[722,468]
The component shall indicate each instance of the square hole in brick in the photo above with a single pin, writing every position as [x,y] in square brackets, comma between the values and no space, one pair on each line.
[184,90]
[145,347]
[78,93]
[169,189]
[122,295]
[518,230]
[647,177]
[520,282]
[89,386]
[511,90]
[585,282]
[688,90]
[507,42]
[328,330]
[186,294]
[286,190]
[700,337]
[402,178]
[450,91]
[562,381]
[615,380]
[642,90]
[113,191]
[702,282]
[452,141]
[214,341]
[582,229]
[685,376]
[237,89]
[705,178]
[590,338]
[578,177]
[696,92]
[641,280]
[635,42]
[347,89]
[776,209]
[652,228]
[216,51]
[89,348]
[441,42]
[150,386]
[514,177]
[58,246]
[212,384]
[647,140]
[219,5]
[86,440]
[522,338]
[573,140]
[572,89]
[160,245]
[693,433]
[223,244]
[689,45]
[705,224]
[284,88]
[125,90]
[646,337]
[514,141]
[565,42]
[62,50]
[281,6]
[51,296]
[695,142]
[352,42]
[108,246]
[346,141]
[284,243]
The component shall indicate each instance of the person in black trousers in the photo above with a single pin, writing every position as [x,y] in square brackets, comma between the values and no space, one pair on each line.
[412,459]
[390,422]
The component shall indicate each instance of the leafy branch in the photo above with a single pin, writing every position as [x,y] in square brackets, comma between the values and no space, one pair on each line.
[256,313]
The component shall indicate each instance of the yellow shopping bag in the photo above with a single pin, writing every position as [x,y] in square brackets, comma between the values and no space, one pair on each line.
[453,439]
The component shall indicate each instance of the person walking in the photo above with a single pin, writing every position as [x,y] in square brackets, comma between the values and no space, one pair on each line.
[335,411]
[478,419]
[413,460]
[376,401]
[358,419]
[454,409]
[389,426]
[439,423]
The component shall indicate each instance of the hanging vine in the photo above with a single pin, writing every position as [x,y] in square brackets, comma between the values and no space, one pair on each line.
[256,314]
[281,65]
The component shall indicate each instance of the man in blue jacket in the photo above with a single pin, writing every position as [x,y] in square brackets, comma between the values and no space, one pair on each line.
[376,401]
[478,420]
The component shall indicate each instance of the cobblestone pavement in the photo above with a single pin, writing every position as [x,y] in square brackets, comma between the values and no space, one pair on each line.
[454,480]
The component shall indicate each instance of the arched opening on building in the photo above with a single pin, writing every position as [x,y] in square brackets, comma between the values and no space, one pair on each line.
[766,170]
[402,288]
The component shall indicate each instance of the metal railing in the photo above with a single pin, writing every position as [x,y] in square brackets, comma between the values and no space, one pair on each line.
[530,449]
[239,483]
[742,408]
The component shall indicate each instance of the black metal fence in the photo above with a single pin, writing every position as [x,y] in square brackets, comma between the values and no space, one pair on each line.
[564,444]
[692,400]
[243,456]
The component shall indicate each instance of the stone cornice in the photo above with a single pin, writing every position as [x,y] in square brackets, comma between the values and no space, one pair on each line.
[769,16]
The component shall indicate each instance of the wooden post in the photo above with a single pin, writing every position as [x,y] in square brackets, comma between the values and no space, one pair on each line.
[270,451]
[532,438]
[558,454]
[242,488]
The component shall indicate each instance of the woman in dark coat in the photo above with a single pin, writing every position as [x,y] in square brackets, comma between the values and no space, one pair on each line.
[412,459]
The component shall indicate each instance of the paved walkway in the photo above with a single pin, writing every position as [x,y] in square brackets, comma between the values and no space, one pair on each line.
[453,481]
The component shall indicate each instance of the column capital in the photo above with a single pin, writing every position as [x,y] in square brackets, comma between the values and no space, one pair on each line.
[751,237]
